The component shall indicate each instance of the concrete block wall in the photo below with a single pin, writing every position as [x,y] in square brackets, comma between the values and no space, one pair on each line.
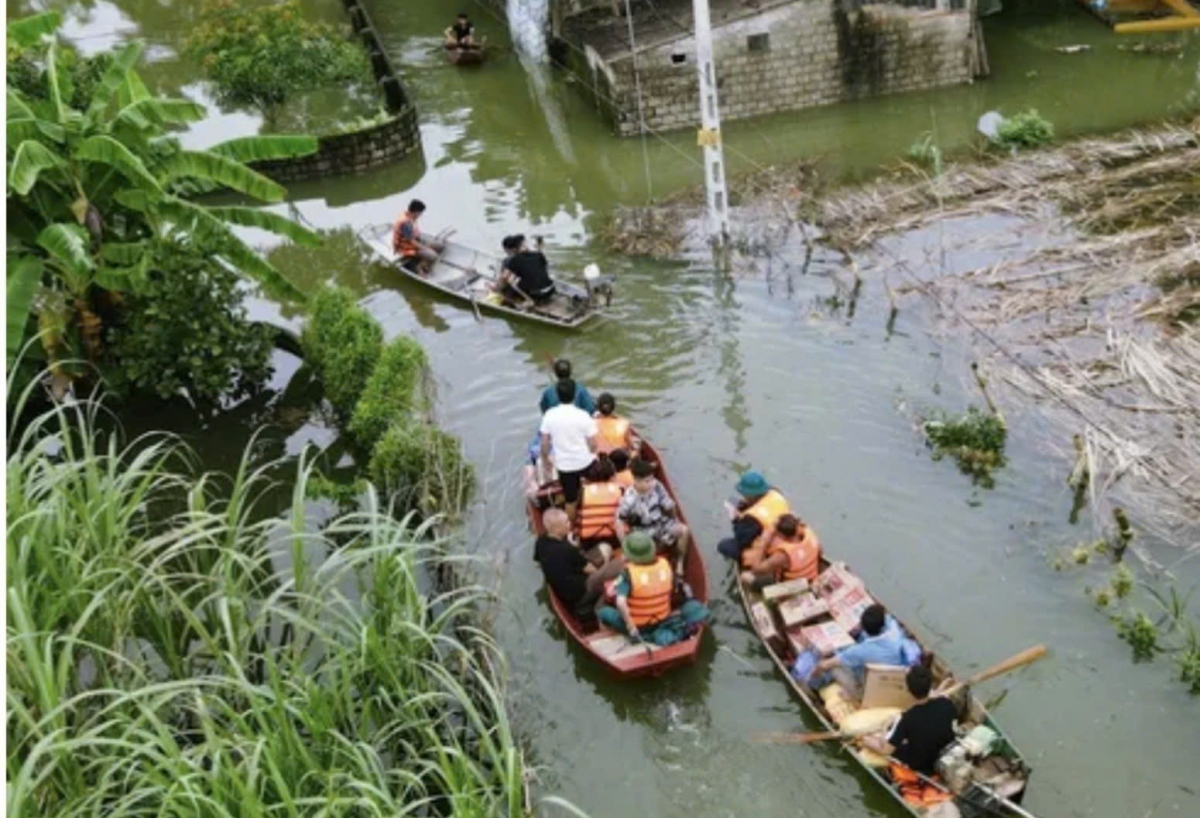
[368,148]
[815,52]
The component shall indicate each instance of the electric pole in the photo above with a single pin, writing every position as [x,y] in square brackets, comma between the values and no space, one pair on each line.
[709,135]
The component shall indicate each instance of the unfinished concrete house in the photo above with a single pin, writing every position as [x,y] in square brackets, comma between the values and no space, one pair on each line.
[771,55]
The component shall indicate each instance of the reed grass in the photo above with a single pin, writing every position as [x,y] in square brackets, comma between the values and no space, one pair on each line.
[173,651]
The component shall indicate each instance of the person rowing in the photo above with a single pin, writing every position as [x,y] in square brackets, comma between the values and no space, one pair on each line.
[525,274]
[461,34]
[415,253]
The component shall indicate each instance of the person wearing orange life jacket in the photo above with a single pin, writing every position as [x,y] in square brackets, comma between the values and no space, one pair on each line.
[753,518]
[415,253]
[598,505]
[615,431]
[620,462]
[643,590]
[792,552]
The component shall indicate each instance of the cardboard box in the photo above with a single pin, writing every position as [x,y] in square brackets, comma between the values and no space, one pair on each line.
[835,578]
[783,590]
[796,639]
[847,606]
[801,608]
[764,623]
[826,637]
[884,687]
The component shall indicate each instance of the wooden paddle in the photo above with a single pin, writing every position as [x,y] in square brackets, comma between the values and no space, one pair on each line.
[1021,659]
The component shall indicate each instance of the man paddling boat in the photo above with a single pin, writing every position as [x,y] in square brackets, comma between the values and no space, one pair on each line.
[415,253]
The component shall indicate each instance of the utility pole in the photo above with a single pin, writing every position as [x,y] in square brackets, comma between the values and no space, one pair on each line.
[709,135]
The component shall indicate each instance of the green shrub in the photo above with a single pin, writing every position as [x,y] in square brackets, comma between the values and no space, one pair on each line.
[392,392]
[187,331]
[422,468]
[1027,129]
[263,55]
[975,439]
[1141,633]
[343,343]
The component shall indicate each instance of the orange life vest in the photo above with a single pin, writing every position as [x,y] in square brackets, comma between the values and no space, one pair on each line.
[613,433]
[402,246]
[650,592]
[914,789]
[803,555]
[598,510]
[767,510]
[624,479]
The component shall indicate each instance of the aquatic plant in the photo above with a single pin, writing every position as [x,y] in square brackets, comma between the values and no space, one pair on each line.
[262,55]
[1140,632]
[392,392]
[343,343]
[927,151]
[422,468]
[1027,129]
[974,439]
[170,649]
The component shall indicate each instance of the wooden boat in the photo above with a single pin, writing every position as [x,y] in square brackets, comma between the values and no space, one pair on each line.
[466,55]
[469,276]
[972,802]
[624,658]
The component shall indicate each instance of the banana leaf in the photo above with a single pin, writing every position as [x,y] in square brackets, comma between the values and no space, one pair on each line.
[108,151]
[147,112]
[123,61]
[67,245]
[24,273]
[265,148]
[29,31]
[30,159]
[213,168]
[265,220]
[18,130]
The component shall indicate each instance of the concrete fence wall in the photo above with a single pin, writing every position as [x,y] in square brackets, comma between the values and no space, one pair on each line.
[797,55]
[371,147]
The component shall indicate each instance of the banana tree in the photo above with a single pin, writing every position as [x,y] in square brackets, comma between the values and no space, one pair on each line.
[92,192]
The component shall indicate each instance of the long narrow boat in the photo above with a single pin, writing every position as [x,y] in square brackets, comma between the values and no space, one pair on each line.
[624,658]
[466,55]
[469,276]
[972,801]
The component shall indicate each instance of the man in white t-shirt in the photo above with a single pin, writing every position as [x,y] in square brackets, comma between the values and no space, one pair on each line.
[571,434]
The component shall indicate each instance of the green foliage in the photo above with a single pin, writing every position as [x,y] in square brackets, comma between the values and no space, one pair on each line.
[344,494]
[1189,667]
[263,55]
[975,440]
[173,665]
[393,392]
[1027,129]
[343,343]
[1121,582]
[188,331]
[95,180]
[422,468]
[1141,633]
[928,153]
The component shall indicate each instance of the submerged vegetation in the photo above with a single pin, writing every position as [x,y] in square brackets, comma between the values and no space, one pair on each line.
[264,55]
[974,439]
[168,648]
[1027,129]
[381,396]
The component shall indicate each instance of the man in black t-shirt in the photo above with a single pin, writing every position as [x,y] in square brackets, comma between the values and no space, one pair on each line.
[576,577]
[525,274]
[462,33]
[924,730]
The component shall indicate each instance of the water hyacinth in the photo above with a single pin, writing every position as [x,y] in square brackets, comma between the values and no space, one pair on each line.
[173,652]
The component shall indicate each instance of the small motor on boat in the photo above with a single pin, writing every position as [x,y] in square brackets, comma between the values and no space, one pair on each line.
[598,285]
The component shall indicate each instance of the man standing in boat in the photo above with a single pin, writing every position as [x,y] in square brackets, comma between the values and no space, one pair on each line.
[414,253]
[525,273]
[461,34]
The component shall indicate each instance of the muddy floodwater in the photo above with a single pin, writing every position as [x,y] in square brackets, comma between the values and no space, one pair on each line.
[726,373]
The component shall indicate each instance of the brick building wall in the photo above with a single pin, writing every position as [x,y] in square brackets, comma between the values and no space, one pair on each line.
[795,55]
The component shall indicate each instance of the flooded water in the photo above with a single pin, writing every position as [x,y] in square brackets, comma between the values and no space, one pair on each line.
[727,373]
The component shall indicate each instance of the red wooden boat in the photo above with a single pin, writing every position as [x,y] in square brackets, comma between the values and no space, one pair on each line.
[626,659]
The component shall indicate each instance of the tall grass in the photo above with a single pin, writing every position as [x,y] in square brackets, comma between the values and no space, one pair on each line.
[171,652]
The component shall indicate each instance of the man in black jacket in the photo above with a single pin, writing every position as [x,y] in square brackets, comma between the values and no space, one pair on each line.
[525,274]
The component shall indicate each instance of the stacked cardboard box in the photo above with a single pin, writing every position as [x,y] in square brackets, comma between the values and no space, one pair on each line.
[764,623]
[826,637]
[801,608]
[847,605]
[783,590]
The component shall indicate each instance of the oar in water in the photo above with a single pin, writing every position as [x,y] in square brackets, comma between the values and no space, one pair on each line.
[1021,659]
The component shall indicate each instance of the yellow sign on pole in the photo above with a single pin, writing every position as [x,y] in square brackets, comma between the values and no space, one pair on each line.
[708,137]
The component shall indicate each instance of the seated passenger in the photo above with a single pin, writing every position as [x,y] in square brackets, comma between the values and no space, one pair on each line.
[577,577]
[648,507]
[923,731]
[792,552]
[598,505]
[615,431]
[525,274]
[643,590]
[878,646]
[620,461]
[562,372]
